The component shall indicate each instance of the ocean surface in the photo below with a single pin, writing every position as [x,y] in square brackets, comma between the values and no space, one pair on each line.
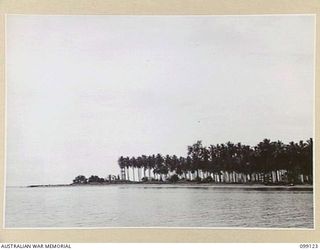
[158,206]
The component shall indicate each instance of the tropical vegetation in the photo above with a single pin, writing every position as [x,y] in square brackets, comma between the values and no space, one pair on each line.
[267,162]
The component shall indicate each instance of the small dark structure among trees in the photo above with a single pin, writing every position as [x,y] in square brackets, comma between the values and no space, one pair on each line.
[81,179]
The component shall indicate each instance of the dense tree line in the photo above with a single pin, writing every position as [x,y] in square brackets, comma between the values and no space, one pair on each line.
[267,162]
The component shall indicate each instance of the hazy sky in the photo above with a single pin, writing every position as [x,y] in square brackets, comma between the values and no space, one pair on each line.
[84,90]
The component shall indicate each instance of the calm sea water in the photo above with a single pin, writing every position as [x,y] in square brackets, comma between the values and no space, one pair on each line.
[158,206]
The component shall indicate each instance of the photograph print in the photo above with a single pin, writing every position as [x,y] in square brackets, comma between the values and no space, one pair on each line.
[116,121]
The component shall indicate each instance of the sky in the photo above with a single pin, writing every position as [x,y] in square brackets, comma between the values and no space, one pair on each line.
[84,90]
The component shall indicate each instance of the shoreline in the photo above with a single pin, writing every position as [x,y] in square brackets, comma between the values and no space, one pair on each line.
[185,184]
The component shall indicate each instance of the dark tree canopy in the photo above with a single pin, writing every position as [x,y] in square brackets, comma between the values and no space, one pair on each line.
[268,161]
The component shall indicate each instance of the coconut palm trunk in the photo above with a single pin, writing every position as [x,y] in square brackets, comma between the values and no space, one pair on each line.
[139,175]
[133,175]
[128,174]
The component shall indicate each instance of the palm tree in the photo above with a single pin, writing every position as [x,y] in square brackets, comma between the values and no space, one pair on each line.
[122,165]
[181,166]
[133,164]
[292,154]
[194,152]
[144,160]
[299,160]
[308,160]
[187,167]
[168,162]
[216,161]
[139,164]
[127,165]
[247,162]
[159,166]
[174,164]
[204,161]
[279,159]
[238,161]
[265,153]
[212,161]
[151,164]
[231,160]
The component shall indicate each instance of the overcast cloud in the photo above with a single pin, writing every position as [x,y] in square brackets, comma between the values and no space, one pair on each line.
[84,90]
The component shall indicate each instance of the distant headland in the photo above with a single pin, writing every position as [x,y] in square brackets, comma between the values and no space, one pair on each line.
[269,163]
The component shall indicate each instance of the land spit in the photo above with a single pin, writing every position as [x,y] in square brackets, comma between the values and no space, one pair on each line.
[188,184]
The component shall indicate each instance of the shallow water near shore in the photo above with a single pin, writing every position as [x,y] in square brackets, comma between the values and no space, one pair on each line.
[158,206]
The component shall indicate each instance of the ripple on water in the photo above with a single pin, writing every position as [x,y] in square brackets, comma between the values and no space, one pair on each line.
[144,206]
